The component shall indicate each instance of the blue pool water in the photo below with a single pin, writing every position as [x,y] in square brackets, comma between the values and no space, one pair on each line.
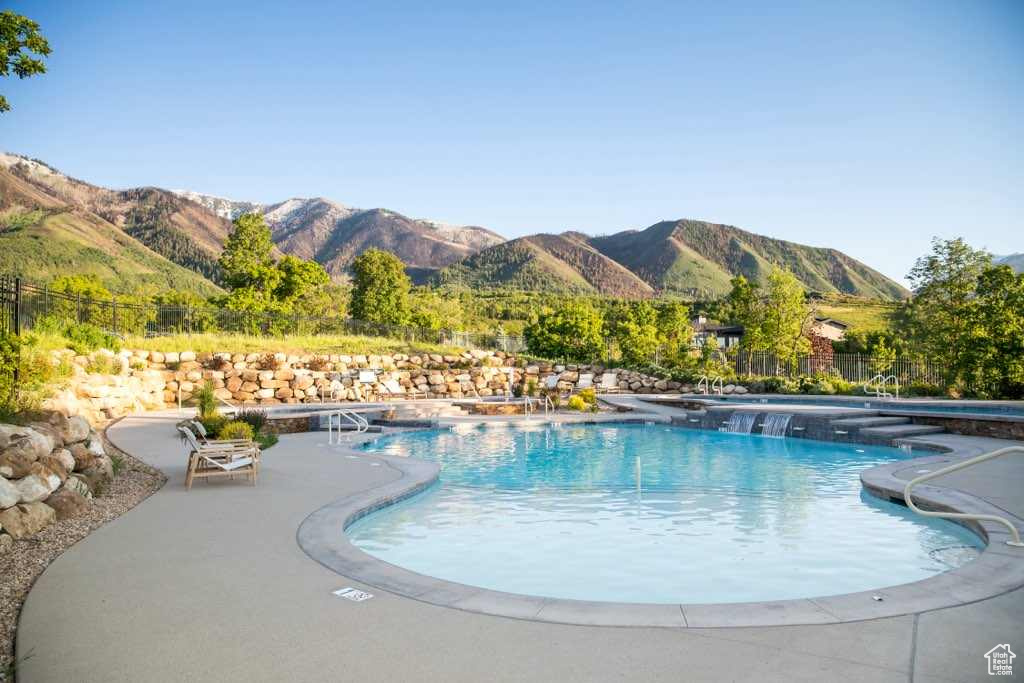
[558,511]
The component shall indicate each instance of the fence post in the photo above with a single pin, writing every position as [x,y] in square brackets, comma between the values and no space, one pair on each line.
[17,309]
[78,308]
[113,313]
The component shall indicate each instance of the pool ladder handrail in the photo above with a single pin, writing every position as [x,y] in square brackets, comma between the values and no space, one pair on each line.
[1016,542]
[883,381]
[716,382]
[528,402]
[362,425]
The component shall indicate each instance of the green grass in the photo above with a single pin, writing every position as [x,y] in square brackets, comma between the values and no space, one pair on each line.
[297,344]
[68,243]
[861,315]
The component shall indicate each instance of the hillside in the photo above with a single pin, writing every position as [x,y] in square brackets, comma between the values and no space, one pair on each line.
[685,257]
[1015,261]
[174,227]
[555,263]
[42,238]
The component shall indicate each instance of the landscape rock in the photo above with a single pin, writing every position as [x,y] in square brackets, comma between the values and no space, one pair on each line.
[67,503]
[9,494]
[6,543]
[65,458]
[26,519]
[77,430]
[77,483]
[84,458]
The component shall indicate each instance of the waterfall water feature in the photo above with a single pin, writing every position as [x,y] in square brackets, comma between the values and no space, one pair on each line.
[741,423]
[776,424]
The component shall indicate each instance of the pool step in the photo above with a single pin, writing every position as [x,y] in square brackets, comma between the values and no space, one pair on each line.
[900,431]
[864,422]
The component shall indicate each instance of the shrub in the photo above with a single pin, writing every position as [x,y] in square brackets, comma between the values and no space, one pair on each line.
[85,338]
[236,429]
[266,440]
[319,363]
[589,397]
[254,417]
[213,424]
[117,463]
[531,387]
[205,400]
[922,389]
[36,370]
[102,364]
[577,403]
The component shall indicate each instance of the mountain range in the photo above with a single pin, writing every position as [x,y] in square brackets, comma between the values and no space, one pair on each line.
[1015,261]
[51,223]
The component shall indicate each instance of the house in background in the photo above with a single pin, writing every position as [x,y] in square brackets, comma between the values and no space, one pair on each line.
[727,336]
[823,332]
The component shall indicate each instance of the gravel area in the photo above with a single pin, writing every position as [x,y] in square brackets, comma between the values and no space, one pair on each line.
[28,558]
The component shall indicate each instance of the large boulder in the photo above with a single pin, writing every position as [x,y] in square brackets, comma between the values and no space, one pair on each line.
[99,474]
[84,458]
[9,494]
[55,465]
[22,521]
[16,465]
[78,484]
[6,543]
[38,485]
[65,458]
[95,444]
[19,440]
[77,430]
[67,503]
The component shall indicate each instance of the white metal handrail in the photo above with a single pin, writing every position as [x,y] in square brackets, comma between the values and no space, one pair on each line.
[231,406]
[1016,542]
[703,383]
[353,417]
[720,384]
[882,381]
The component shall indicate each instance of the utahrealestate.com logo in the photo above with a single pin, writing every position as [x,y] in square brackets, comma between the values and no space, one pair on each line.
[1000,660]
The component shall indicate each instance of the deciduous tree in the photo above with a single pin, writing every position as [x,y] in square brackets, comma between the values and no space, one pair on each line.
[20,39]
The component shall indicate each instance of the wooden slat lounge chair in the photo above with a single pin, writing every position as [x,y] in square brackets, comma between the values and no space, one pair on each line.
[368,378]
[609,383]
[585,381]
[393,389]
[219,460]
[200,432]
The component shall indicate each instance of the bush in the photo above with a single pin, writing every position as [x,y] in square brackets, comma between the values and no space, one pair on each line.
[213,424]
[922,389]
[102,364]
[236,430]
[577,403]
[85,338]
[254,417]
[589,397]
[36,369]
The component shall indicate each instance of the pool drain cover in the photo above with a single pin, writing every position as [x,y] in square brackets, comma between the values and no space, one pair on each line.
[353,594]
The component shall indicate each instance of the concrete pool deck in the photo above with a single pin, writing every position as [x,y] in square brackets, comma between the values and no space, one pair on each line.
[211,585]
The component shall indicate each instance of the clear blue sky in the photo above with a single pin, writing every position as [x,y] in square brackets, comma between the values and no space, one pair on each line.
[864,126]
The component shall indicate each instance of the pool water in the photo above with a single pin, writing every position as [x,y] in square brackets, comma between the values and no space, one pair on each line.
[564,511]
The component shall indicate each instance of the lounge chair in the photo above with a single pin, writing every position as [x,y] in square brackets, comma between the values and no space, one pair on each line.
[586,381]
[219,459]
[609,383]
[551,382]
[393,389]
[369,378]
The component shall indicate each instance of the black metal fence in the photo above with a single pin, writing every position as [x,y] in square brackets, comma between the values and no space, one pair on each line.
[27,307]
[853,367]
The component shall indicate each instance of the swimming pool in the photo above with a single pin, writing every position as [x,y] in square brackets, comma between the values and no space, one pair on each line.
[566,512]
[1010,409]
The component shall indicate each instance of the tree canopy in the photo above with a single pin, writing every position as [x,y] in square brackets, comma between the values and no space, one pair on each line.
[776,318]
[20,39]
[255,281]
[380,288]
[570,332]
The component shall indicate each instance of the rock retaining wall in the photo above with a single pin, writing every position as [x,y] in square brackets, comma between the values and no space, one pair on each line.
[49,470]
[144,380]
